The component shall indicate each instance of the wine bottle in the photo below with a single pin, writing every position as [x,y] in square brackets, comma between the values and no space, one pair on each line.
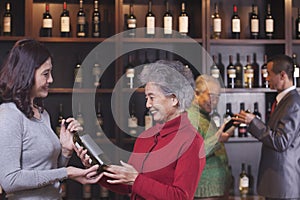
[251,181]
[65,24]
[239,72]
[78,75]
[217,23]
[235,24]
[96,20]
[231,187]
[231,73]
[248,74]
[228,114]
[7,20]
[296,71]
[268,113]
[132,121]
[214,70]
[131,22]
[264,73]
[216,117]
[242,129]
[221,69]
[148,119]
[254,23]
[86,191]
[168,21]
[183,21]
[104,193]
[99,121]
[81,21]
[255,67]
[96,74]
[269,23]
[59,120]
[256,111]
[244,182]
[297,25]
[130,72]
[150,21]
[47,23]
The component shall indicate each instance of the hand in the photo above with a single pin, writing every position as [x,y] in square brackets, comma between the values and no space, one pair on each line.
[244,117]
[84,176]
[82,154]
[224,136]
[125,174]
[66,135]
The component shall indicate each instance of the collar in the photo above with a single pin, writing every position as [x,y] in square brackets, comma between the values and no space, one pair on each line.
[282,94]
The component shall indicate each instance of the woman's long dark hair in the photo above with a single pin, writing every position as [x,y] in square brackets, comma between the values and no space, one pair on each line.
[17,73]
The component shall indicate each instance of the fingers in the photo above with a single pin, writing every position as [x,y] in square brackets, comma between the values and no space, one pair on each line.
[73,125]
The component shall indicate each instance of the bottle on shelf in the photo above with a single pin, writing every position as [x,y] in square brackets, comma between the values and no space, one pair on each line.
[47,23]
[132,121]
[243,182]
[168,21]
[268,111]
[130,71]
[78,75]
[296,71]
[150,21]
[65,22]
[104,193]
[99,121]
[216,23]
[264,73]
[239,72]
[255,67]
[96,20]
[254,23]
[59,120]
[228,114]
[7,20]
[81,22]
[235,24]
[216,117]
[131,22]
[183,21]
[231,73]
[242,129]
[148,119]
[297,25]
[86,191]
[269,23]
[248,74]
[251,180]
[97,74]
[214,70]
[256,111]
[221,69]
[231,187]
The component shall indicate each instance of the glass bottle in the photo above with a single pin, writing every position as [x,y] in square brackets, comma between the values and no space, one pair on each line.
[242,129]
[239,72]
[221,69]
[243,182]
[7,20]
[216,117]
[269,23]
[296,70]
[131,22]
[217,23]
[65,25]
[254,23]
[47,23]
[96,20]
[168,21]
[150,21]
[99,121]
[256,111]
[248,74]
[235,24]
[130,71]
[183,21]
[81,21]
[214,70]
[231,73]
[264,73]
[255,67]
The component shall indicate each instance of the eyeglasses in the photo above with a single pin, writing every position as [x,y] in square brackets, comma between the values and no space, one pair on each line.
[213,95]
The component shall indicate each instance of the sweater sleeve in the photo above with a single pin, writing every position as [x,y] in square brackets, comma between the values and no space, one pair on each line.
[186,176]
[13,177]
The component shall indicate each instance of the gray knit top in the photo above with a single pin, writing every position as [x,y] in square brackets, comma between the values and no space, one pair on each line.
[31,163]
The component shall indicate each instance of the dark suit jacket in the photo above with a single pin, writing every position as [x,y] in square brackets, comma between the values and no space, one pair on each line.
[279,170]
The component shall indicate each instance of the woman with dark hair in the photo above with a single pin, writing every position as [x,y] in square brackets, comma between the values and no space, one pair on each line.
[33,159]
[167,159]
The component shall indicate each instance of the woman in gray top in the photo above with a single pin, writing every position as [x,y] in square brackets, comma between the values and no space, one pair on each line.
[33,159]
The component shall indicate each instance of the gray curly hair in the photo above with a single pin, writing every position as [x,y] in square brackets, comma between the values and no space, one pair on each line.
[173,78]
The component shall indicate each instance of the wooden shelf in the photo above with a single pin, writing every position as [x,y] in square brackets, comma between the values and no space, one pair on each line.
[242,42]
[74,40]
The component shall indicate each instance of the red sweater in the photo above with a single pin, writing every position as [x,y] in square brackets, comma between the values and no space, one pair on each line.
[170,158]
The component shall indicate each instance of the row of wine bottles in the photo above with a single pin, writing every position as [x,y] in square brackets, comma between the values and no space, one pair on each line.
[250,75]
[65,22]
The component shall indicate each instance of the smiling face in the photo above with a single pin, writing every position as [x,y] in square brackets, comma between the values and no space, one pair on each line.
[42,79]
[163,108]
[209,98]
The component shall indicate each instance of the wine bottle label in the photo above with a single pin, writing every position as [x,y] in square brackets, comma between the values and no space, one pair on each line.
[231,73]
[87,191]
[215,73]
[104,192]
[299,26]
[217,25]
[7,24]
[168,25]
[269,25]
[47,23]
[131,23]
[249,73]
[254,25]
[217,121]
[81,20]
[65,24]
[130,73]
[183,24]
[150,25]
[236,26]
[296,72]
[244,182]
[264,73]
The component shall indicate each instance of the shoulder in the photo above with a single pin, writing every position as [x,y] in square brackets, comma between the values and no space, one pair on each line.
[9,111]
